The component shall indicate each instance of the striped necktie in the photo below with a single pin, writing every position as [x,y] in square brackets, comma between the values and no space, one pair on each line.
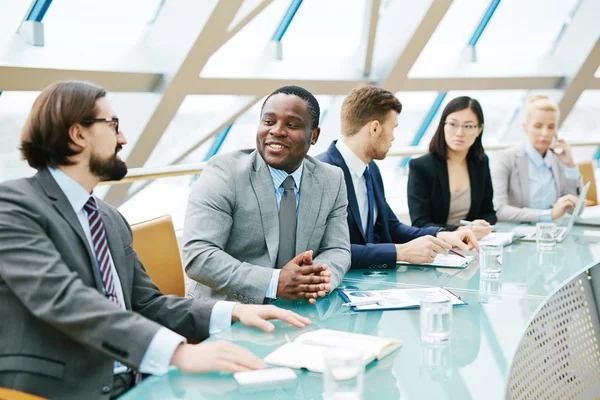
[101,249]
[102,256]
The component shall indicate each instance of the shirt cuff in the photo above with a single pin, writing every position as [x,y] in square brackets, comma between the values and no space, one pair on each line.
[546,216]
[272,288]
[572,173]
[220,316]
[158,356]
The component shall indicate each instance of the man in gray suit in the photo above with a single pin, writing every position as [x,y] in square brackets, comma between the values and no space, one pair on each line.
[81,319]
[269,223]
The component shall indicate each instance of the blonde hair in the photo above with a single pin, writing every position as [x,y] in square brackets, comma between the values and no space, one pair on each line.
[540,102]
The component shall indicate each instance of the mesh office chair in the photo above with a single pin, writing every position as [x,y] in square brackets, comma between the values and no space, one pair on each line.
[156,245]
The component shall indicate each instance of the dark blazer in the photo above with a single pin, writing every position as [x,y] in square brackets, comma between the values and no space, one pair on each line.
[388,230]
[59,335]
[429,192]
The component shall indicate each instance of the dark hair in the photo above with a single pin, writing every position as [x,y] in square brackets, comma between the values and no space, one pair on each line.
[364,104]
[45,140]
[311,102]
[438,146]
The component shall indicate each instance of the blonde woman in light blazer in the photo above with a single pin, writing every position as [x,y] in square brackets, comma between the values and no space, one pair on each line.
[537,180]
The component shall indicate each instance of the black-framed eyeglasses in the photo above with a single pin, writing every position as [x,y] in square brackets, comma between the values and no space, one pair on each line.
[109,121]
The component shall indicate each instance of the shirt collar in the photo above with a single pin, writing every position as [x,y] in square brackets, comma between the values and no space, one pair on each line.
[355,164]
[536,157]
[75,193]
[278,176]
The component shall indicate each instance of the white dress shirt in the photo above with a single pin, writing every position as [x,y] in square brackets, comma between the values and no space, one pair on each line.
[542,185]
[357,170]
[158,356]
[278,176]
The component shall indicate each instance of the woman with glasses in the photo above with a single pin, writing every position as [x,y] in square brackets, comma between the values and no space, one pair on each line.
[453,182]
[537,180]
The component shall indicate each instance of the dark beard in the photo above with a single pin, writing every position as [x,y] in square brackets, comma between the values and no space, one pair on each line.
[111,169]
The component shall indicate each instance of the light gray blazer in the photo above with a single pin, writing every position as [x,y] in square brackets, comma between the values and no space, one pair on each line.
[231,231]
[510,179]
[59,335]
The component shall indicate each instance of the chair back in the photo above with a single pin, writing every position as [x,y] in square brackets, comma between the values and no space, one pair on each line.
[11,394]
[156,245]
[586,169]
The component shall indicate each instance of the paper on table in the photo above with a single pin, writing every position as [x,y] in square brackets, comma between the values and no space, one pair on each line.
[498,238]
[451,260]
[398,298]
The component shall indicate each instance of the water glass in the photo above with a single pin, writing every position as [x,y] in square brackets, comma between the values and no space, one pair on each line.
[545,236]
[490,260]
[436,361]
[490,288]
[343,374]
[436,320]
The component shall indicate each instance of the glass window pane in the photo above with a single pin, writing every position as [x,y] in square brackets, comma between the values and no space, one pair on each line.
[14,109]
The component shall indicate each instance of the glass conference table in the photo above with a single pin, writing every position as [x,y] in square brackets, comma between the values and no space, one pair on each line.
[474,364]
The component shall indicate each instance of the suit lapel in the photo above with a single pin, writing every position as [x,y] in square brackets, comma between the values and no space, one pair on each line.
[442,175]
[262,184]
[338,160]
[474,182]
[523,172]
[118,255]
[311,192]
[61,203]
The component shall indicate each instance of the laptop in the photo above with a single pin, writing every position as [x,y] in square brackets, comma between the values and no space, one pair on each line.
[562,231]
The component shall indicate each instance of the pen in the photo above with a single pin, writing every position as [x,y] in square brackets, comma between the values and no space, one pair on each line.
[452,293]
[456,252]
[361,303]
[468,223]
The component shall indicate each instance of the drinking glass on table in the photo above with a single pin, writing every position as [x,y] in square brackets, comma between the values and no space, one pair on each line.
[343,374]
[436,320]
[490,260]
[545,236]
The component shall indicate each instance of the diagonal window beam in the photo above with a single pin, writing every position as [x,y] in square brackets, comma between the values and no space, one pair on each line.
[487,16]
[212,36]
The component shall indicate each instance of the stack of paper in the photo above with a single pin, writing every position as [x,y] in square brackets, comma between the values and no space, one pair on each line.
[498,238]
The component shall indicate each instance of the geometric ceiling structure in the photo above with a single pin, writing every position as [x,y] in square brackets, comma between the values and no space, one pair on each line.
[187,77]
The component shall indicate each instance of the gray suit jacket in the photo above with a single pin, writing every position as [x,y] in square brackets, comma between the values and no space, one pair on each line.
[510,179]
[59,335]
[231,231]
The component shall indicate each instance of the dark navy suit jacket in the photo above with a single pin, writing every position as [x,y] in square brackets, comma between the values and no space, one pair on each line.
[388,230]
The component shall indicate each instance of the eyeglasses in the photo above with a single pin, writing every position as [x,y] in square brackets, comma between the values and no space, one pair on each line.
[107,120]
[467,128]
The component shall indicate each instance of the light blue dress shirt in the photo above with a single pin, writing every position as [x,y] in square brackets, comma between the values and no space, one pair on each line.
[543,192]
[158,356]
[278,176]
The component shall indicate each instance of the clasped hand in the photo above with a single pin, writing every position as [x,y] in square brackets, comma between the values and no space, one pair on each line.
[301,279]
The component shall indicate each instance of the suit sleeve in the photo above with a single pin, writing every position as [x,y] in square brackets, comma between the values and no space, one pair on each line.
[188,317]
[208,223]
[487,207]
[33,269]
[335,244]
[500,180]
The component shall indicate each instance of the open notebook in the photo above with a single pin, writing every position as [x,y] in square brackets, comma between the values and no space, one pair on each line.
[449,261]
[397,299]
[308,350]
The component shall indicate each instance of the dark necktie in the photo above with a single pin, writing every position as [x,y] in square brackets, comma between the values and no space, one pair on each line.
[103,258]
[287,223]
[370,233]
[101,249]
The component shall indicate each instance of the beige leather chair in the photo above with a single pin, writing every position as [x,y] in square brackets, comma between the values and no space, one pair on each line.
[156,246]
[586,169]
[10,394]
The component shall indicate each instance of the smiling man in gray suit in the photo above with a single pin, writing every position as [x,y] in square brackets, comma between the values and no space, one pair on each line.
[79,313]
[269,222]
